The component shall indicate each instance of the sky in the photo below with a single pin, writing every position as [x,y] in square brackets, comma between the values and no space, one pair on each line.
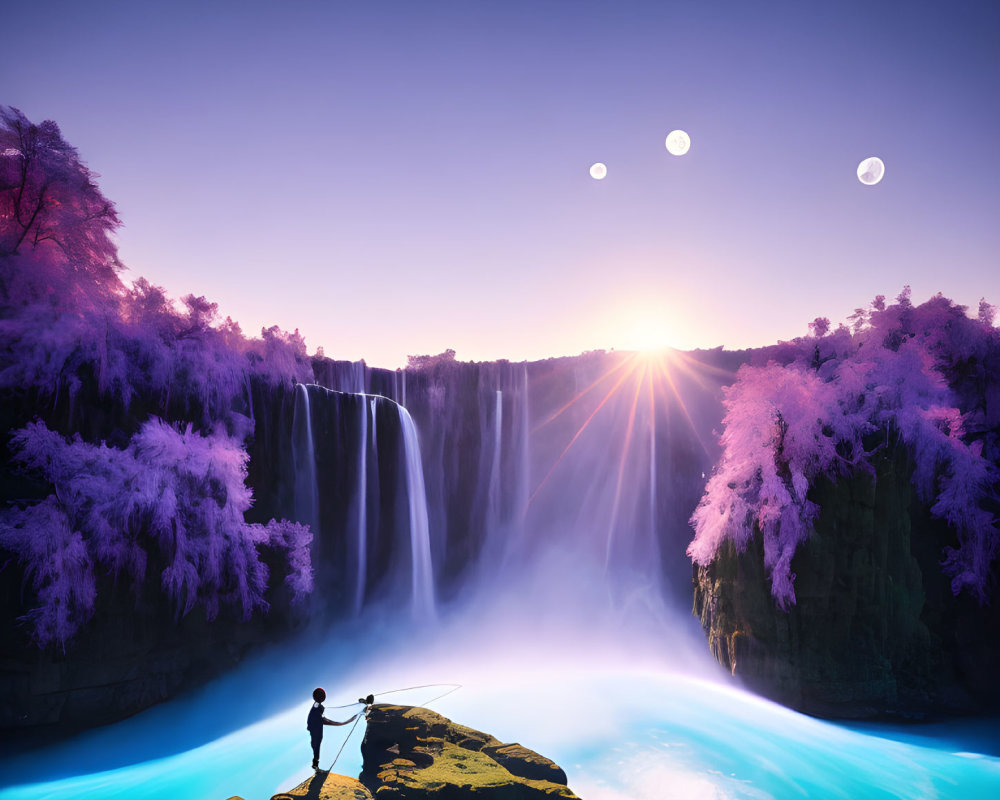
[395,178]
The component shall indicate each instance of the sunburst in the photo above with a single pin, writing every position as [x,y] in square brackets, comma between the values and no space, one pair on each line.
[653,372]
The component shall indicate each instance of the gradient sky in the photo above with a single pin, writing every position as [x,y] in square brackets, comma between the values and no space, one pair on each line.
[396,178]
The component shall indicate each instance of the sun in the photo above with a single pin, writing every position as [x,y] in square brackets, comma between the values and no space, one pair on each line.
[648,335]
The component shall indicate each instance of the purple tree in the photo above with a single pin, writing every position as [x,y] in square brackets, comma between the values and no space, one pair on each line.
[172,496]
[807,412]
[52,211]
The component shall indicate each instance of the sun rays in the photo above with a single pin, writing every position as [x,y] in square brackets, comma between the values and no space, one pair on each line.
[653,382]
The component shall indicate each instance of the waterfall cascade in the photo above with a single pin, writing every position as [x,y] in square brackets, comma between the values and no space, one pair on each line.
[359,484]
[493,496]
[491,481]
[420,543]
[361,503]
[306,502]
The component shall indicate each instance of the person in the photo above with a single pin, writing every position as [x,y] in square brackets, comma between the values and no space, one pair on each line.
[316,722]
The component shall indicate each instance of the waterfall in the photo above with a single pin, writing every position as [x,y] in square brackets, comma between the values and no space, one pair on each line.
[306,498]
[480,459]
[524,468]
[493,496]
[246,382]
[361,564]
[420,543]
[652,461]
[335,458]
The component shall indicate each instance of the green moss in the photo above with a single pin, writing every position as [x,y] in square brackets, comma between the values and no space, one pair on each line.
[416,753]
[472,772]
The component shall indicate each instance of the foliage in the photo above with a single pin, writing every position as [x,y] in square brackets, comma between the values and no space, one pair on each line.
[429,362]
[925,375]
[64,313]
[172,497]
[58,566]
[52,212]
[145,346]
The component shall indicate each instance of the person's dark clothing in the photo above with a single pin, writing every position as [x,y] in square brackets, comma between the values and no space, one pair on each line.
[315,727]
[316,719]
[315,723]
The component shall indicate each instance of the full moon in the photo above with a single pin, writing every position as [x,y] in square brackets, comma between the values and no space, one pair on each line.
[871,170]
[678,143]
[598,171]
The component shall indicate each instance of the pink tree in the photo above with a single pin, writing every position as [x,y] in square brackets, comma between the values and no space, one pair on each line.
[52,211]
[808,410]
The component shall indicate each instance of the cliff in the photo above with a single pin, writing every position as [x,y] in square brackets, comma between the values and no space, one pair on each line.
[489,435]
[876,630]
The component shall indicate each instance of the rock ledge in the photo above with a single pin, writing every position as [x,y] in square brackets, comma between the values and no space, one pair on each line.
[412,753]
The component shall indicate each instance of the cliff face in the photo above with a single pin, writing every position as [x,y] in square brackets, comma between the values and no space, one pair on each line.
[135,651]
[875,631]
[515,456]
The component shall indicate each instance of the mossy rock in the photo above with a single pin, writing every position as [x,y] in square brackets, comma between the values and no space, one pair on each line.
[415,753]
[327,786]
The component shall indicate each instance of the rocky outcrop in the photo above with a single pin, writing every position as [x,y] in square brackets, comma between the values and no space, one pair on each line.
[412,753]
[415,753]
[327,786]
[875,630]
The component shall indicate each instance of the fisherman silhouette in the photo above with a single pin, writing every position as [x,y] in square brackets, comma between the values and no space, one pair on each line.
[316,722]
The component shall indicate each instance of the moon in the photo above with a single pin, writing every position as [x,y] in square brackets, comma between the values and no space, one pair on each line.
[598,171]
[678,143]
[871,171]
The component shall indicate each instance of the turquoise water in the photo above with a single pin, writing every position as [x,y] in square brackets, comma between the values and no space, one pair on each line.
[627,728]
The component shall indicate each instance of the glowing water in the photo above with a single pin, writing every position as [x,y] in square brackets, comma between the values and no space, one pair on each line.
[585,691]
[420,540]
[623,729]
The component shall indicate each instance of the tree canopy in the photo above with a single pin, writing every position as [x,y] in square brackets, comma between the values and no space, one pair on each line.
[927,376]
[172,488]
[53,214]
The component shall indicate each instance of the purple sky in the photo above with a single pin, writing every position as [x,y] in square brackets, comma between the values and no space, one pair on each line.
[396,178]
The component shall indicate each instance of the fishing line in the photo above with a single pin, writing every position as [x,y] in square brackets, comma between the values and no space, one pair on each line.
[341,750]
[454,688]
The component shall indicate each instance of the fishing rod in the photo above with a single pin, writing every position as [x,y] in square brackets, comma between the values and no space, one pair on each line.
[369,701]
